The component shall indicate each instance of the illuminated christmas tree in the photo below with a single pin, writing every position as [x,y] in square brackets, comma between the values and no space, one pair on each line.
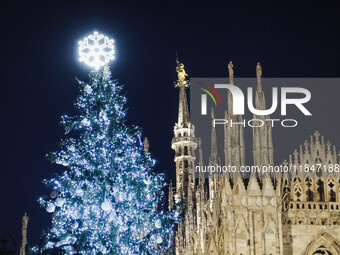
[108,200]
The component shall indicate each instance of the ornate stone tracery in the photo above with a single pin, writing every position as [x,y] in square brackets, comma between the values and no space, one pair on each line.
[296,213]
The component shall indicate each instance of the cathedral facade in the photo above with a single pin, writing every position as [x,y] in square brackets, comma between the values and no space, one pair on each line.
[290,214]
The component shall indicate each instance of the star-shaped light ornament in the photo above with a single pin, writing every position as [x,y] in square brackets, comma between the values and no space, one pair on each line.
[96,50]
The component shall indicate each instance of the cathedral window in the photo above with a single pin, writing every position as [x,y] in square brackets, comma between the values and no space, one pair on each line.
[297,179]
[186,164]
[321,195]
[285,202]
[332,197]
[185,150]
[331,193]
[179,151]
[322,250]
[297,193]
[309,192]
[309,195]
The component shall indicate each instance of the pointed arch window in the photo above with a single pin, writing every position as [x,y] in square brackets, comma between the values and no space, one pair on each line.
[186,164]
[285,202]
[321,194]
[322,251]
[185,150]
[331,192]
[297,193]
[309,192]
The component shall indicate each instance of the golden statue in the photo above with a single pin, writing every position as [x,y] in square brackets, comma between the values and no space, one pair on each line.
[181,73]
[258,70]
[231,70]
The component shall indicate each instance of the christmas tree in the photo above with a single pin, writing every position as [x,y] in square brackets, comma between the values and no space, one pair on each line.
[108,200]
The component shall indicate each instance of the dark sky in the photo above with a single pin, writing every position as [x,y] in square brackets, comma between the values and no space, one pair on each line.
[39,65]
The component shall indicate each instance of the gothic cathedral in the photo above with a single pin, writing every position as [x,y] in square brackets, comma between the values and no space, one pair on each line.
[291,214]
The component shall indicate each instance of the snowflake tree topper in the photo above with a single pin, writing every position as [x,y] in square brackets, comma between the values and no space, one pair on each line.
[96,50]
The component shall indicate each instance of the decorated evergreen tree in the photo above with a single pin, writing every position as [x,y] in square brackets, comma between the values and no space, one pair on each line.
[108,200]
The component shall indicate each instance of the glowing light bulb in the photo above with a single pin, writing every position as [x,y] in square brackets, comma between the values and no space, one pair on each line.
[96,50]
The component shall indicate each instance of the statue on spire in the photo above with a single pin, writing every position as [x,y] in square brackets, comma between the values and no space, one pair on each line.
[258,70]
[181,74]
[146,145]
[212,114]
[231,70]
[24,234]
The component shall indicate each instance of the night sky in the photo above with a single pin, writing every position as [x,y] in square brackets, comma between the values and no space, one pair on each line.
[39,64]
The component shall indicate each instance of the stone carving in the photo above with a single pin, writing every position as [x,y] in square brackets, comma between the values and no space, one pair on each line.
[24,221]
[294,206]
[231,70]
[258,70]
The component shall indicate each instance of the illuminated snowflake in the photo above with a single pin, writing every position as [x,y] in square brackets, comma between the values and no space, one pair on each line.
[96,50]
